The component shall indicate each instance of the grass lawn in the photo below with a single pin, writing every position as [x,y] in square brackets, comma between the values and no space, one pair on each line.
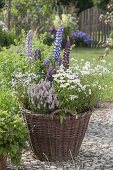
[88,54]
[92,55]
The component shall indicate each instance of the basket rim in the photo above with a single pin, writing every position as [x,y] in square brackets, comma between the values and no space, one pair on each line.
[29,112]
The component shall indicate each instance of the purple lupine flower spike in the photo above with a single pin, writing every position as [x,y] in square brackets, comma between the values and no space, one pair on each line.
[59,61]
[50,73]
[28,45]
[66,54]
[53,30]
[46,62]
[37,54]
[58,44]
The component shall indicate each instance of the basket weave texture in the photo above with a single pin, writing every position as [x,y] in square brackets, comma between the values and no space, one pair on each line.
[53,141]
[2,163]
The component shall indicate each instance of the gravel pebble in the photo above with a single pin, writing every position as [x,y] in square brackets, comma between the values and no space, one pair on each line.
[96,152]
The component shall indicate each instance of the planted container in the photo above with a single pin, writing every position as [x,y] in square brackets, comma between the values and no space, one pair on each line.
[50,139]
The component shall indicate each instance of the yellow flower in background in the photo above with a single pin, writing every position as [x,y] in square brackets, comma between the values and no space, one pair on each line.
[57,21]
[57,18]
[65,20]
[64,17]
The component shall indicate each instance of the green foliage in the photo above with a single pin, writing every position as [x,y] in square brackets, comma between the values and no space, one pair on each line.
[11,61]
[12,136]
[101,4]
[6,38]
[30,15]
[33,72]
[2,3]
[77,90]
[84,4]
[80,4]
[8,101]
[34,14]
[20,72]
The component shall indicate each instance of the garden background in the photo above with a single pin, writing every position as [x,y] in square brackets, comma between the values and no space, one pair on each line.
[88,31]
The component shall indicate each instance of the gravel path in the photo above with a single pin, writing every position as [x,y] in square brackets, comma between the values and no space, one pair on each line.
[96,152]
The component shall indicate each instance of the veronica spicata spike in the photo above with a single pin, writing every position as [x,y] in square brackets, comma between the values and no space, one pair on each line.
[37,54]
[28,45]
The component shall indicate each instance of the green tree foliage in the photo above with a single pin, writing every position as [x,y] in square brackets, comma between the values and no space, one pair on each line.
[84,4]
[2,3]
[81,4]
[101,3]
[6,38]
[30,14]
[35,14]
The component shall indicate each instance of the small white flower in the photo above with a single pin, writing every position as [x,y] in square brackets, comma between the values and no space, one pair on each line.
[73,97]
[104,61]
[99,87]
[110,64]
[82,59]
[89,91]
[64,85]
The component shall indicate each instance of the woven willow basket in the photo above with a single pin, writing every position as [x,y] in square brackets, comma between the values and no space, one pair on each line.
[53,141]
[3,163]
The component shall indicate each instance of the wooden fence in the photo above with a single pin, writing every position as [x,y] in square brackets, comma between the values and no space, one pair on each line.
[89,22]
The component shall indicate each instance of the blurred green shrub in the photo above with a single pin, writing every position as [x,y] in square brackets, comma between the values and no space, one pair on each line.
[6,38]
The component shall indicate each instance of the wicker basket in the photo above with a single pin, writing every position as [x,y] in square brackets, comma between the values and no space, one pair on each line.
[51,140]
[3,163]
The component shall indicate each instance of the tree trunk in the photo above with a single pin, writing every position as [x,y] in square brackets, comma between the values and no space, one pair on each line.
[9,14]
[2,163]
